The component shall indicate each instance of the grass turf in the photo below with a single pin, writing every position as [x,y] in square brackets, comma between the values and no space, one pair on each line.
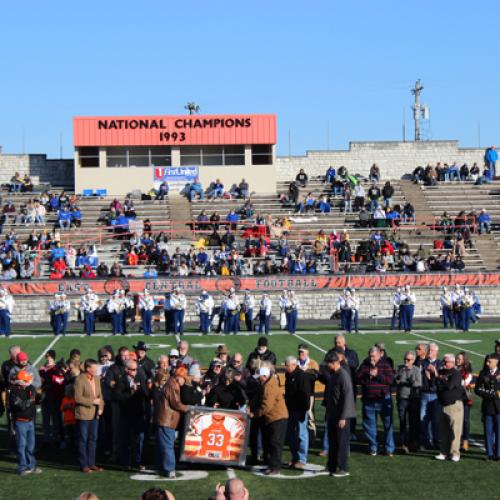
[413,476]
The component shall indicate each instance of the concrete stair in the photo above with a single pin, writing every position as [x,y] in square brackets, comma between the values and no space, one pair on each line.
[180,213]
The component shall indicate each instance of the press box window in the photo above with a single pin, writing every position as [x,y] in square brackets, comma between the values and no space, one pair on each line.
[117,157]
[89,157]
[262,154]
[161,156]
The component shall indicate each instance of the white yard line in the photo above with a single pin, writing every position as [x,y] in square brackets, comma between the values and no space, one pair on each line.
[56,338]
[437,341]
[320,349]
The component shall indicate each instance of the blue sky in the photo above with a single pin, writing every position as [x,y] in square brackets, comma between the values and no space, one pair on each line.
[319,65]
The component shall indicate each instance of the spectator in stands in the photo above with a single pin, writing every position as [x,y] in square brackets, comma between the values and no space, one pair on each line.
[116,271]
[374,174]
[373,196]
[217,190]
[76,217]
[196,189]
[63,199]
[16,183]
[387,193]
[409,213]
[484,221]
[330,174]
[359,196]
[324,205]
[233,218]
[243,189]
[129,208]
[163,190]
[464,172]
[485,178]
[347,198]
[338,187]
[418,174]
[64,218]
[9,210]
[102,270]
[454,172]
[379,217]
[474,172]
[491,157]
[301,178]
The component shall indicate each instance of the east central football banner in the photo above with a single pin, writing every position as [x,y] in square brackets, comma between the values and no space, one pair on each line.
[194,285]
[215,436]
[177,177]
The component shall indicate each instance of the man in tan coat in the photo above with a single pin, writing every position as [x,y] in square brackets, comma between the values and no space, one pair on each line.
[273,410]
[89,407]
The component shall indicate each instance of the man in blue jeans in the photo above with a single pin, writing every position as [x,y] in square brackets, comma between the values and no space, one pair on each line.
[22,409]
[375,375]
[430,408]
[297,398]
[89,407]
[167,411]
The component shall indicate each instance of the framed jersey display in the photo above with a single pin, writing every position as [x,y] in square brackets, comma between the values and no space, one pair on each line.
[216,436]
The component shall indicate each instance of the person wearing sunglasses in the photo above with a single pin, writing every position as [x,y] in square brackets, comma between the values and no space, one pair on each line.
[408,383]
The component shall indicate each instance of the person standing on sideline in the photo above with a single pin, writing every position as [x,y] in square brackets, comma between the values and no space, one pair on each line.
[248,309]
[275,414]
[59,309]
[456,296]
[127,308]
[261,353]
[466,303]
[265,307]
[446,302]
[408,383]
[297,399]
[6,310]
[406,309]
[114,308]
[449,391]
[464,366]
[179,303]
[89,303]
[167,414]
[204,307]
[430,409]
[376,377]
[146,306]
[340,411]
[89,407]
[168,312]
[488,389]
[22,410]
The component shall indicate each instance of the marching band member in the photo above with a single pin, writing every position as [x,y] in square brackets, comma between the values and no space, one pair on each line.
[146,306]
[248,307]
[114,307]
[476,308]
[59,308]
[344,306]
[127,305]
[265,307]
[179,303]
[6,309]
[446,301]
[89,303]
[457,306]
[204,308]
[407,308]
[232,322]
[292,308]
[467,301]
[395,309]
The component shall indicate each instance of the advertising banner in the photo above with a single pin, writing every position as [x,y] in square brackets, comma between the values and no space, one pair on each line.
[215,436]
[177,177]
[297,283]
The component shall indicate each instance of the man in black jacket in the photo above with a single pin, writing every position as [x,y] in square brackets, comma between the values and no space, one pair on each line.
[262,353]
[131,391]
[113,377]
[450,395]
[22,409]
[298,392]
[340,410]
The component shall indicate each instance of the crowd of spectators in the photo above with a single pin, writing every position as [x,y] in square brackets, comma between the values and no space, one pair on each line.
[216,190]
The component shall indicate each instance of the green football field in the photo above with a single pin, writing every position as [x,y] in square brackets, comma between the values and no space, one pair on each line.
[411,476]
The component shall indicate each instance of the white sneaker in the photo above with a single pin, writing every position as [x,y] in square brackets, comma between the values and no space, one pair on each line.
[455,458]
[440,457]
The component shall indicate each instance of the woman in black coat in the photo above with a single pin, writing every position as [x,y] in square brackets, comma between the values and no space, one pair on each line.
[228,394]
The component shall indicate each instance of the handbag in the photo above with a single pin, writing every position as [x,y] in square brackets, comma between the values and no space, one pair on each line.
[468,400]
[283,320]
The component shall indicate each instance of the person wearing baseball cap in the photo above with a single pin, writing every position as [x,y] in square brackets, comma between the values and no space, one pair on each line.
[23,411]
[22,363]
